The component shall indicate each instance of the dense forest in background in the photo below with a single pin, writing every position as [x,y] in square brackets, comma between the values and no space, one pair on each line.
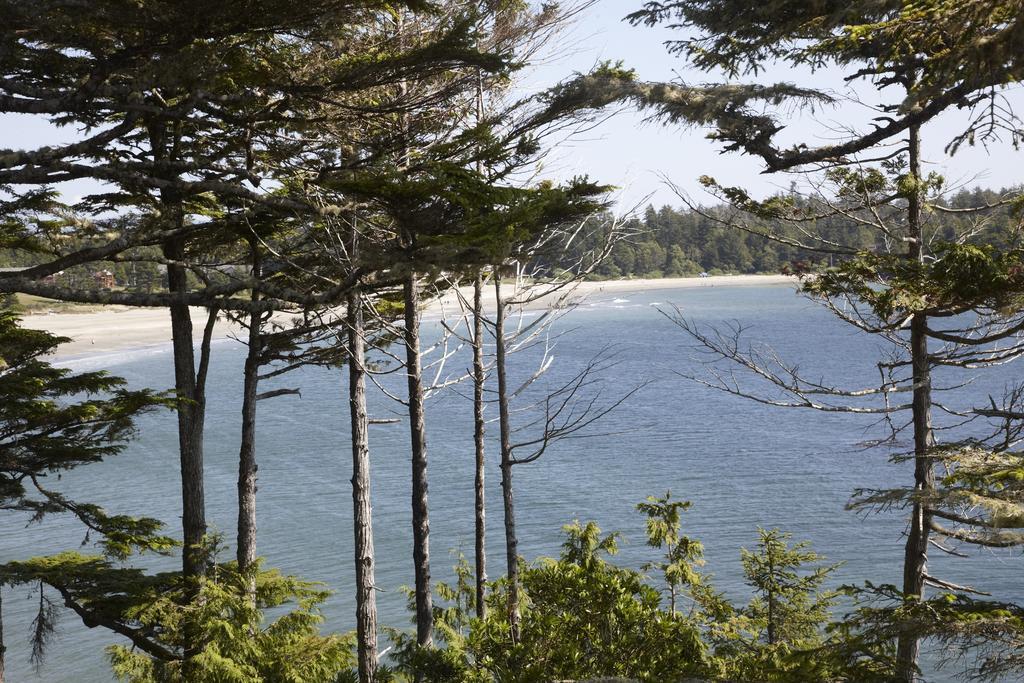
[671,241]
[685,241]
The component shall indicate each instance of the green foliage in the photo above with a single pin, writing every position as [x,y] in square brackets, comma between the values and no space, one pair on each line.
[777,636]
[987,482]
[944,52]
[53,420]
[582,618]
[682,554]
[992,632]
[227,615]
[226,612]
[961,277]
[688,240]
[959,46]
[585,618]
[790,606]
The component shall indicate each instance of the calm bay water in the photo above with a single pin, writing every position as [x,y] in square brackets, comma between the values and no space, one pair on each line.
[742,464]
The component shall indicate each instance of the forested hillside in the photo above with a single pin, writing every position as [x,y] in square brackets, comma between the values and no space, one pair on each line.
[682,241]
[667,242]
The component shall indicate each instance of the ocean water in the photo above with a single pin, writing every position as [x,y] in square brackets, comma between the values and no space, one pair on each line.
[742,464]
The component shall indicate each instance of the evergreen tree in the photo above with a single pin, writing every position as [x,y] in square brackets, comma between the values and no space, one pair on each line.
[210,149]
[161,617]
[790,606]
[53,420]
[780,634]
[867,41]
[682,554]
[586,618]
[47,427]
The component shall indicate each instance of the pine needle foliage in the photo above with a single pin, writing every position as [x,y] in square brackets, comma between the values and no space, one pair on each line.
[240,644]
[683,555]
[584,618]
[790,605]
[53,420]
[161,614]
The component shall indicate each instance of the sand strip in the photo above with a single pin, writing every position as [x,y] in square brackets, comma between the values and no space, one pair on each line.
[128,329]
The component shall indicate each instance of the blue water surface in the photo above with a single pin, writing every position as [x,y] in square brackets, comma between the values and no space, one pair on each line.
[743,464]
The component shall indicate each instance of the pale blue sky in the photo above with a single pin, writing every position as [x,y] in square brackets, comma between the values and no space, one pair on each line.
[628,152]
[633,154]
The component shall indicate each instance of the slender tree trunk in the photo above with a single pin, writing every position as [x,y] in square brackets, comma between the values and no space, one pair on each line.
[417,423]
[362,513]
[418,438]
[671,585]
[190,392]
[915,564]
[479,378]
[3,647]
[247,466]
[190,388]
[191,413]
[511,540]
[771,599]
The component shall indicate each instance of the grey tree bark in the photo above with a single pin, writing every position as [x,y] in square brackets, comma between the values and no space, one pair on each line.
[190,391]
[480,507]
[479,379]
[362,512]
[3,647]
[191,408]
[247,466]
[188,381]
[504,422]
[418,441]
[915,563]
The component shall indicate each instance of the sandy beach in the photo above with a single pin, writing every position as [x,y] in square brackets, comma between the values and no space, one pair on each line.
[127,329]
[117,329]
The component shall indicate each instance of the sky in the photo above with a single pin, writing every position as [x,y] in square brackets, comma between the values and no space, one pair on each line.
[637,156]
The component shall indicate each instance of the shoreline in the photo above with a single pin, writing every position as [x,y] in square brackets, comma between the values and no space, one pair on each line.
[122,329]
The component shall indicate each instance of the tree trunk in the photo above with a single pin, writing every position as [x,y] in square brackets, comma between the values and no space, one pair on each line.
[479,378]
[3,648]
[362,513]
[190,393]
[915,563]
[190,389]
[191,407]
[418,437]
[671,584]
[247,466]
[511,540]
[771,596]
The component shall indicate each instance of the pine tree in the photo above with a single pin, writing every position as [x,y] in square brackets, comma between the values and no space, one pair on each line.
[209,149]
[790,606]
[874,43]
[48,428]
[53,420]
[682,554]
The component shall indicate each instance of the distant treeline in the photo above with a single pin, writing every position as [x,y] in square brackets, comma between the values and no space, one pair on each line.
[138,270]
[665,242]
[675,242]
